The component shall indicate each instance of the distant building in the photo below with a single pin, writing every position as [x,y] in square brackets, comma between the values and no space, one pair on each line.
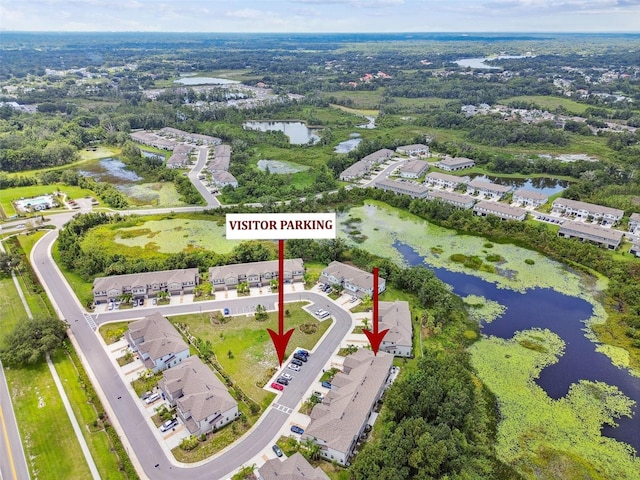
[457,199]
[182,136]
[444,180]
[585,211]
[365,165]
[202,401]
[635,249]
[634,223]
[337,423]
[295,467]
[415,149]
[145,285]
[501,210]
[157,342]
[456,163]
[255,273]
[221,159]
[353,280]
[529,198]
[402,187]
[413,169]
[607,237]
[146,137]
[396,317]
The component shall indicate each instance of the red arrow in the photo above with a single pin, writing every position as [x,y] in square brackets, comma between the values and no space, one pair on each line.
[280,339]
[375,337]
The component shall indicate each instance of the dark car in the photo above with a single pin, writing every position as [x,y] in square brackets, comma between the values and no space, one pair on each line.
[297,362]
[326,384]
[141,301]
[303,352]
[276,449]
[282,381]
[302,358]
[297,429]
[226,311]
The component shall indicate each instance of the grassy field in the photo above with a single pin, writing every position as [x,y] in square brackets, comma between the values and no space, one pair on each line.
[252,353]
[9,195]
[549,103]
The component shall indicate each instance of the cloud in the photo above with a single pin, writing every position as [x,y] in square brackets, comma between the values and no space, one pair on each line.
[355,3]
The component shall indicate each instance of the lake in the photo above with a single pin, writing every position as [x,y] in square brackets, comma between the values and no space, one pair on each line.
[298,132]
[110,170]
[480,62]
[205,81]
[562,314]
[548,186]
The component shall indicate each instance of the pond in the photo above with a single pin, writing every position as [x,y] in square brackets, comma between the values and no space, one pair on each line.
[110,170]
[562,314]
[298,132]
[205,81]
[348,145]
[548,186]
[281,166]
[370,124]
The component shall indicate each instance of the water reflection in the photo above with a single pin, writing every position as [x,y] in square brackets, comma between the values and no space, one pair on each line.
[298,132]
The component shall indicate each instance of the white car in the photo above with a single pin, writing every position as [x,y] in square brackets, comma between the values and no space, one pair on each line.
[293,367]
[152,398]
[168,425]
[287,376]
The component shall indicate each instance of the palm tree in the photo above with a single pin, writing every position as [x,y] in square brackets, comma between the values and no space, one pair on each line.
[312,448]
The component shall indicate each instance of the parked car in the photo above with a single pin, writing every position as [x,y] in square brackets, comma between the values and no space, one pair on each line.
[226,311]
[286,376]
[152,398]
[326,384]
[297,429]
[110,307]
[303,352]
[277,386]
[296,362]
[282,381]
[294,367]
[141,301]
[135,303]
[154,301]
[168,425]
[297,356]
[146,395]
[276,449]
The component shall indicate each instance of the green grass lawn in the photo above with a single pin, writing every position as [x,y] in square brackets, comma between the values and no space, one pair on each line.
[86,154]
[549,103]
[252,352]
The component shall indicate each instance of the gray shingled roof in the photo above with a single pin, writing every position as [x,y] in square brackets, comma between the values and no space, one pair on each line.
[590,207]
[184,275]
[254,268]
[338,420]
[396,316]
[295,467]
[160,338]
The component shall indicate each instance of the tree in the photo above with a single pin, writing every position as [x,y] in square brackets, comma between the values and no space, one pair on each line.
[32,339]
[312,449]
[9,261]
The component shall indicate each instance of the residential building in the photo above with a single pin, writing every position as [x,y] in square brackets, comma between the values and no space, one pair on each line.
[295,467]
[355,281]
[145,285]
[457,199]
[221,158]
[222,178]
[635,249]
[158,343]
[416,149]
[634,223]
[180,156]
[182,136]
[396,317]
[607,237]
[414,190]
[337,423]
[255,274]
[413,169]
[505,212]
[477,186]
[454,164]
[146,137]
[529,198]
[444,180]
[202,401]
[587,211]
[365,165]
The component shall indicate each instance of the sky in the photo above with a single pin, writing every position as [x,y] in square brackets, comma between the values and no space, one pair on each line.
[313,16]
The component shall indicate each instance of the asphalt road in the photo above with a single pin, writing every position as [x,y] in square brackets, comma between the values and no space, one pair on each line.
[212,201]
[122,402]
[15,466]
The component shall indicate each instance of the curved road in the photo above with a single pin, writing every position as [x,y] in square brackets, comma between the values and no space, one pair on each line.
[116,395]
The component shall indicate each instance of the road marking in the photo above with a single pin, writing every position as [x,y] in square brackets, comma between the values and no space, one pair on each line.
[282,408]
[90,321]
[6,439]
